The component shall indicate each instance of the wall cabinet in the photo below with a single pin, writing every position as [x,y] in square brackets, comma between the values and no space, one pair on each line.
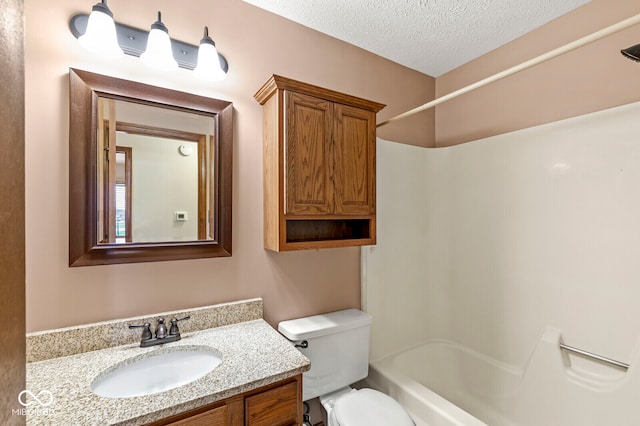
[319,166]
[279,404]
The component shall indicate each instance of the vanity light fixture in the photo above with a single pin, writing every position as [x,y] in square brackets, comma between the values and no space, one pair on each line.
[209,67]
[158,53]
[100,35]
[137,42]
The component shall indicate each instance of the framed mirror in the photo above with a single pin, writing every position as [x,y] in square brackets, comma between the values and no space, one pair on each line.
[150,173]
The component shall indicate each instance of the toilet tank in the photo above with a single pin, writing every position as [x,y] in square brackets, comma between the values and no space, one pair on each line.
[337,346]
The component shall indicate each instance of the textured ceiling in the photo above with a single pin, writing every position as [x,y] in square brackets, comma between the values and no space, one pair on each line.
[431,36]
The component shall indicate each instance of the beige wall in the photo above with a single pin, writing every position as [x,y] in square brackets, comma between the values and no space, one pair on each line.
[257,44]
[592,78]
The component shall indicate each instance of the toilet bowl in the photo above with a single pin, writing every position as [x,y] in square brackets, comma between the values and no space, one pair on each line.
[337,344]
[364,407]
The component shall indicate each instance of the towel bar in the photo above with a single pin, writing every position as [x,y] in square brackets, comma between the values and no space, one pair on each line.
[594,356]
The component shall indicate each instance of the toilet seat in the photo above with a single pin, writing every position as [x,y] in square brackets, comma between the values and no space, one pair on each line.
[369,407]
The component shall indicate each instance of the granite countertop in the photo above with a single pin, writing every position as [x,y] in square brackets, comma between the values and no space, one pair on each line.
[253,355]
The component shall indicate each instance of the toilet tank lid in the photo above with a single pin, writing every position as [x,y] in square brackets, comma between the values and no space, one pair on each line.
[320,325]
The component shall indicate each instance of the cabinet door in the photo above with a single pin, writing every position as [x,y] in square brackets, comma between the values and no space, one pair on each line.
[275,407]
[355,160]
[309,123]
[214,417]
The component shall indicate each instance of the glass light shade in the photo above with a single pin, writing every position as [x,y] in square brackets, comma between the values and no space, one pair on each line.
[159,53]
[100,36]
[208,67]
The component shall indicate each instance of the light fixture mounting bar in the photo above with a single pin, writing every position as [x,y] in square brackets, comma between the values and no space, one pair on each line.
[133,41]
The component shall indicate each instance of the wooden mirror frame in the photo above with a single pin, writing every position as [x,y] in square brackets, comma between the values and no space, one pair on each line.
[84,89]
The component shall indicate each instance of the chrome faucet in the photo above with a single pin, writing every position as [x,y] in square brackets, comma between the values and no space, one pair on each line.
[162,336]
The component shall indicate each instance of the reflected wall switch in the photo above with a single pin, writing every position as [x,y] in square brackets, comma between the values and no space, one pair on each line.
[182,216]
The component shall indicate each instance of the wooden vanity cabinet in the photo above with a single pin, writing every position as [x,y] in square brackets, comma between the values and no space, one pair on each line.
[319,166]
[279,404]
[274,407]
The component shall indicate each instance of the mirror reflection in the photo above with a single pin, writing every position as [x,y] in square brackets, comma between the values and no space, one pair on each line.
[150,173]
[154,175]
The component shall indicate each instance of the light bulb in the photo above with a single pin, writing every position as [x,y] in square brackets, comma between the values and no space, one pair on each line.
[100,35]
[159,53]
[208,67]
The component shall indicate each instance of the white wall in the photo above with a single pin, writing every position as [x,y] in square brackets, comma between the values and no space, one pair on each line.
[393,271]
[163,182]
[487,243]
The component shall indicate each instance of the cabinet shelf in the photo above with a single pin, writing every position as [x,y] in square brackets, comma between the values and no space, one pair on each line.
[326,230]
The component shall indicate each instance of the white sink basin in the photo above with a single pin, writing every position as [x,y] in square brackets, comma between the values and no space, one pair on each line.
[156,373]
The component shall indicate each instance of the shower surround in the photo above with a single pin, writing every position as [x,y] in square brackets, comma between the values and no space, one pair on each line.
[503,247]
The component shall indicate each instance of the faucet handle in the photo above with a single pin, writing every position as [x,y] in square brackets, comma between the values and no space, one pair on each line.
[174,325]
[146,332]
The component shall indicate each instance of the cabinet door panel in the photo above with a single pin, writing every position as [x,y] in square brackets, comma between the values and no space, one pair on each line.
[355,145]
[307,141]
[275,407]
[215,417]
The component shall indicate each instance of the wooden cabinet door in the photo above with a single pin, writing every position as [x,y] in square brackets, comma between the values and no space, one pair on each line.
[275,407]
[309,123]
[214,417]
[354,137]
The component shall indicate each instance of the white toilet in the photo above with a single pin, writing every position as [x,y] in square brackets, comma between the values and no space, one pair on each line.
[337,344]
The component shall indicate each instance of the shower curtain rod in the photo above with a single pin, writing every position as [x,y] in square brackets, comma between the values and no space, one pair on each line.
[523,66]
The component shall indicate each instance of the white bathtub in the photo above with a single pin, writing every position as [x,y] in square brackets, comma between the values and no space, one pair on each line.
[441,384]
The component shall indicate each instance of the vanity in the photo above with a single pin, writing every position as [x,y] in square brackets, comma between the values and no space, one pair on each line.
[256,379]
